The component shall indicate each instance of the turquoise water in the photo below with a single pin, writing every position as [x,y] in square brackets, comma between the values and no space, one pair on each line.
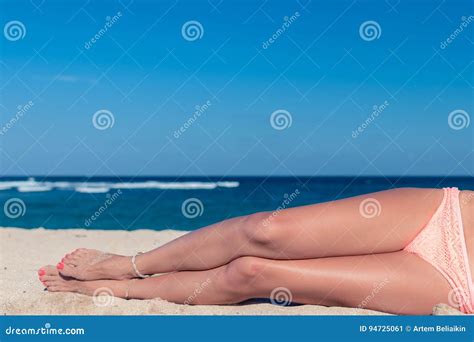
[176,203]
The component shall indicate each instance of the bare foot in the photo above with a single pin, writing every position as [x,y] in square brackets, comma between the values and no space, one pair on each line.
[55,282]
[91,264]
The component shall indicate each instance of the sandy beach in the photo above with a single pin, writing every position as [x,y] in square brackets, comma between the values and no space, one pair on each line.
[23,251]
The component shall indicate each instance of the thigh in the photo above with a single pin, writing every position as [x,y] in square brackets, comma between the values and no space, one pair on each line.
[397,282]
[379,222]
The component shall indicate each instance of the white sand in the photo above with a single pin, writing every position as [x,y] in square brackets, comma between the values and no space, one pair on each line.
[24,251]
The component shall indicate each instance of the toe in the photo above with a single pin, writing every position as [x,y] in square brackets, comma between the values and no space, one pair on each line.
[69,271]
[63,288]
[42,280]
[50,270]
[47,270]
[70,260]
[53,288]
[74,258]
[49,277]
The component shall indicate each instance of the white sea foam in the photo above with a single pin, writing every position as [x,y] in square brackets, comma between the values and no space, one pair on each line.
[34,188]
[92,190]
[31,185]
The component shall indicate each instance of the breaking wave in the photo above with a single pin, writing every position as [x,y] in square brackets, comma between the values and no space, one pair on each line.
[31,185]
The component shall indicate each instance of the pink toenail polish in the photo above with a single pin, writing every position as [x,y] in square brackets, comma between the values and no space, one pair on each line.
[60,266]
[41,272]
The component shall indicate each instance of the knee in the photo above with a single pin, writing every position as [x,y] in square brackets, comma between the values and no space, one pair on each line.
[266,228]
[243,272]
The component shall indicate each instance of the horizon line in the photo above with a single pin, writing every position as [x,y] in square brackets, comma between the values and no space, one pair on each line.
[240,176]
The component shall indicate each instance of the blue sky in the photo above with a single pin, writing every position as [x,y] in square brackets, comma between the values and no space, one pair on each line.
[320,70]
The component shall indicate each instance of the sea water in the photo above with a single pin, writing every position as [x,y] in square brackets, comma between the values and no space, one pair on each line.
[184,203]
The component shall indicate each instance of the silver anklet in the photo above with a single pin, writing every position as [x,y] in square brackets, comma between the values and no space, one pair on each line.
[135,269]
[127,291]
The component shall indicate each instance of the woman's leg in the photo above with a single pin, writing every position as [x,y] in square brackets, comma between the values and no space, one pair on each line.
[397,282]
[374,223]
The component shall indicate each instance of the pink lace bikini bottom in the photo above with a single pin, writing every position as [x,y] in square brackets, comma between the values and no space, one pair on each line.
[442,244]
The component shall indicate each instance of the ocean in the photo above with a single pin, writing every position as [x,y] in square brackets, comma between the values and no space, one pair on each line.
[185,203]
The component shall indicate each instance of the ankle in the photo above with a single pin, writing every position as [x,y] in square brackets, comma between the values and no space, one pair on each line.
[118,267]
[138,266]
[125,267]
